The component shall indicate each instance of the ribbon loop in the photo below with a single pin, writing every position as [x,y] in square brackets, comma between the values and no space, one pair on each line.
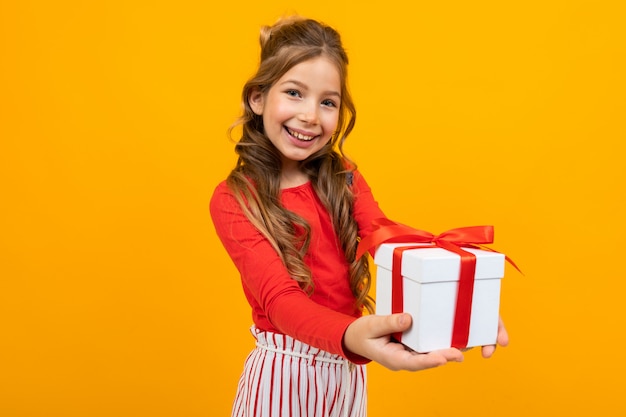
[468,235]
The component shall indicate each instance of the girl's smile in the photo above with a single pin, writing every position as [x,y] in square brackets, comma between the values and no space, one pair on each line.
[300,136]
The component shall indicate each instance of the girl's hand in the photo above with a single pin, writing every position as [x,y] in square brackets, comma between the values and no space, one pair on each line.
[369,336]
[502,340]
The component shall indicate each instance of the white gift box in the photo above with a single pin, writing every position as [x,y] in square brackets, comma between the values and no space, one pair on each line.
[430,283]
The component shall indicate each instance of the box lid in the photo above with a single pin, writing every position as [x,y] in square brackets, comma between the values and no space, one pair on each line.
[438,264]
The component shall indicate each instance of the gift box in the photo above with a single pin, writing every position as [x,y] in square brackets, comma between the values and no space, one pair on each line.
[429,289]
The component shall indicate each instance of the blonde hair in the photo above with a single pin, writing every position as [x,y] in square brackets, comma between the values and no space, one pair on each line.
[255,180]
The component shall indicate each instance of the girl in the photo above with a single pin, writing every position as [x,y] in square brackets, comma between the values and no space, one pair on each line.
[290,215]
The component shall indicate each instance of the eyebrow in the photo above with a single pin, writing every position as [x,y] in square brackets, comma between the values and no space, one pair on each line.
[305,87]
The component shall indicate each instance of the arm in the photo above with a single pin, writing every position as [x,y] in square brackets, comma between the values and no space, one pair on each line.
[272,293]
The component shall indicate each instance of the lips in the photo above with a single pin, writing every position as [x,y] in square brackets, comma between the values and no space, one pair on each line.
[300,136]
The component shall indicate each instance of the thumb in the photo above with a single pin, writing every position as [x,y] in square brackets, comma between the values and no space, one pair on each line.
[397,322]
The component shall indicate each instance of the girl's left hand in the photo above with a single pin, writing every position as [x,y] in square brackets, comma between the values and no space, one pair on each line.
[502,340]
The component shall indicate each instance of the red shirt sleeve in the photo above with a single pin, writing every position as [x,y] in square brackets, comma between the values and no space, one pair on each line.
[273,295]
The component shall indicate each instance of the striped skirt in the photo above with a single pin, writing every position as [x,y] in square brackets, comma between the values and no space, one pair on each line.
[284,377]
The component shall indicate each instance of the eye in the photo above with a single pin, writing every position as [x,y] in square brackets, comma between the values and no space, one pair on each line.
[293,93]
[329,103]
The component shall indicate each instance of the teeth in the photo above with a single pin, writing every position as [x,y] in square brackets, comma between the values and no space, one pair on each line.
[300,136]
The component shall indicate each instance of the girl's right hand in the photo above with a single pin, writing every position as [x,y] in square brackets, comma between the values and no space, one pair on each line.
[370,337]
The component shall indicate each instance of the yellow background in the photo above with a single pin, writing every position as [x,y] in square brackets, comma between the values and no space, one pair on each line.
[116,298]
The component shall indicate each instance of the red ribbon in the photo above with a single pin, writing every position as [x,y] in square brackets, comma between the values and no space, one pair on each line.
[452,240]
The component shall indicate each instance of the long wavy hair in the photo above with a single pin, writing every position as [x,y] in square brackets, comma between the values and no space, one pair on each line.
[255,180]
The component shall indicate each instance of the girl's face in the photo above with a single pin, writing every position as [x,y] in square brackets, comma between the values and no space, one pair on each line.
[301,110]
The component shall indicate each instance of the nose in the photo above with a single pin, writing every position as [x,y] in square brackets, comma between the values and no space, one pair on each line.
[309,113]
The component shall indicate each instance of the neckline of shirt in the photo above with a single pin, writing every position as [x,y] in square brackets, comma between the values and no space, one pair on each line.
[297,187]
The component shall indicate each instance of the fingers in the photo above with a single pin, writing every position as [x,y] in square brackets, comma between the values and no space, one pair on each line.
[502,339]
[399,358]
[503,335]
[488,351]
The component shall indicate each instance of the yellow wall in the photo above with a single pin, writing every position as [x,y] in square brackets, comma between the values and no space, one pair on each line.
[116,298]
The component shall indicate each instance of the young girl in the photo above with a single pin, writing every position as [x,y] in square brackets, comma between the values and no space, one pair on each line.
[290,215]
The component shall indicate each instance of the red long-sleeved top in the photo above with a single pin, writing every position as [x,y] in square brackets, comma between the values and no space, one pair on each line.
[278,303]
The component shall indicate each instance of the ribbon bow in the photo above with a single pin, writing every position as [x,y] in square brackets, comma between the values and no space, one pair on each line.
[386,230]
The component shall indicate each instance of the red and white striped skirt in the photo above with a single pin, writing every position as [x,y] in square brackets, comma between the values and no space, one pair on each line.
[284,377]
